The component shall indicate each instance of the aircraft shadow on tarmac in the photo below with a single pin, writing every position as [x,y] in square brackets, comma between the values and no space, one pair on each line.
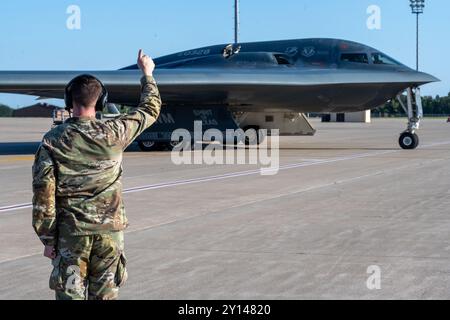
[18,148]
[30,148]
[341,148]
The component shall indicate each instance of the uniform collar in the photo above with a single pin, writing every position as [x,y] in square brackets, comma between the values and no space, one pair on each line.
[81,119]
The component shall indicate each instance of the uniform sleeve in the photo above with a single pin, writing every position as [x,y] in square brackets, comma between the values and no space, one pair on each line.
[128,127]
[44,212]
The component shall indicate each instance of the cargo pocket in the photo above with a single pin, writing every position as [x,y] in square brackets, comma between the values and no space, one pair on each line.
[56,281]
[121,273]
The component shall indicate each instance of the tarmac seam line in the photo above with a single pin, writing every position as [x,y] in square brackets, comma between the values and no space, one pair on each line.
[214,178]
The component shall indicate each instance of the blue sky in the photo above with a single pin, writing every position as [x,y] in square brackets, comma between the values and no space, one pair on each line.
[34,35]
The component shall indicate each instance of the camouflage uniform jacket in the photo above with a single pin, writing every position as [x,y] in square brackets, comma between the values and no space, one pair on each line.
[77,171]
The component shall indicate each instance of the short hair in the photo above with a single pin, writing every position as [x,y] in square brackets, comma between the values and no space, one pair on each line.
[86,91]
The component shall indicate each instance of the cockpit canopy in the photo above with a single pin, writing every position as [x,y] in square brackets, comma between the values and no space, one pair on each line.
[376,58]
[301,53]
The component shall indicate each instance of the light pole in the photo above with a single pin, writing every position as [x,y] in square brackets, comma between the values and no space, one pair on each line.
[417,7]
[236,21]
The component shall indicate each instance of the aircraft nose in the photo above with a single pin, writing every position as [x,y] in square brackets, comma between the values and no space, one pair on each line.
[419,78]
[426,78]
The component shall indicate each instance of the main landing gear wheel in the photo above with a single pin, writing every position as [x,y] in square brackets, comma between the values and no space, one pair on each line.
[253,136]
[149,145]
[409,141]
[179,145]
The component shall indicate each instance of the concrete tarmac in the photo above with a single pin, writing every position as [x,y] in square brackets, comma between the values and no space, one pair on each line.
[345,200]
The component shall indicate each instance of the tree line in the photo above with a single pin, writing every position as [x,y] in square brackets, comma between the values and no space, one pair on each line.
[5,111]
[431,106]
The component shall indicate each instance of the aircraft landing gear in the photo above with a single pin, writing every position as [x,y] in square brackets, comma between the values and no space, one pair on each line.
[409,140]
[148,145]
[253,136]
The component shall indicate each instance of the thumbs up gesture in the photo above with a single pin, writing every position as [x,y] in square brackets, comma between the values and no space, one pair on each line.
[145,63]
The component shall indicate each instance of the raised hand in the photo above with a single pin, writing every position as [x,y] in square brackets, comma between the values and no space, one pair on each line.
[145,63]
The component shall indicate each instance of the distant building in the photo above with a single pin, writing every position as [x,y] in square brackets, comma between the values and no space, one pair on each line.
[39,110]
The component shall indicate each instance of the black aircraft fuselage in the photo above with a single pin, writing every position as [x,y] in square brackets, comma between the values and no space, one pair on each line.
[307,75]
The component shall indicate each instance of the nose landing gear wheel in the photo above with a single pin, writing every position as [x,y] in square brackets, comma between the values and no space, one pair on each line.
[409,141]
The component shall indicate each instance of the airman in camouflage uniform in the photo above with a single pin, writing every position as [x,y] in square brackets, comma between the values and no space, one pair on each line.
[77,204]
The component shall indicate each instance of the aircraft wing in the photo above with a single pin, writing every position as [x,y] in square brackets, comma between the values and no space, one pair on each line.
[321,90]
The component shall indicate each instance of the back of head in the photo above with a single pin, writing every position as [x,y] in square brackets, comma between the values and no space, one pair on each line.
[85,91]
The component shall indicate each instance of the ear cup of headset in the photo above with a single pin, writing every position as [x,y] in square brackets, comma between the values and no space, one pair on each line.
[103,100]
[68,96]
[68,99]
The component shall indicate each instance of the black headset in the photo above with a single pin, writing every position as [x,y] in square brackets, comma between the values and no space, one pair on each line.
[68,99]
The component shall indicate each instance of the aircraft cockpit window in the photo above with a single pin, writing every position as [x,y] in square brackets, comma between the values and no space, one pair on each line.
[355,57]
[379,58]
[283,59]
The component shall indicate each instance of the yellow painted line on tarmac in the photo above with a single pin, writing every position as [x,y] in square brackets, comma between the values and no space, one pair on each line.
[16,158]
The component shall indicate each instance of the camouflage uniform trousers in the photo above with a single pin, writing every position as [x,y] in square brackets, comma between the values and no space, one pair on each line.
[92,265]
